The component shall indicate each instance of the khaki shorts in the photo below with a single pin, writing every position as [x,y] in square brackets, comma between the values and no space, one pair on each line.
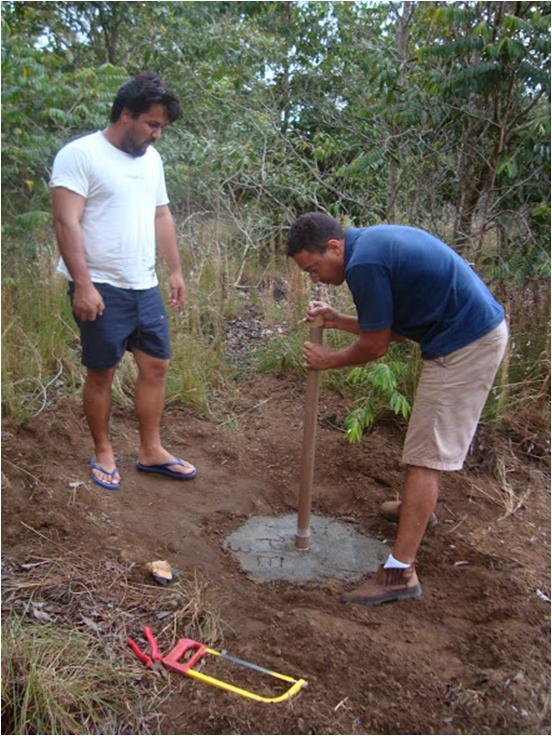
[449,400]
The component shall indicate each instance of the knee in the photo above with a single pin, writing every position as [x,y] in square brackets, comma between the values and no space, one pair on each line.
[418,476]
[422,472]
[154,371]
[100,379]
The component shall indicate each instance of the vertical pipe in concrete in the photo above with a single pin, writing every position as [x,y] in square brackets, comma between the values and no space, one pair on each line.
[302,538]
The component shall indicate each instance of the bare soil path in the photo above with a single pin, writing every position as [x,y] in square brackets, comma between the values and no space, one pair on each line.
[471,656]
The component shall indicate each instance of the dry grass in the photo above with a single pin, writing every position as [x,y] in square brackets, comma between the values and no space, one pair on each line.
[112,598]
[506,491]
[57,680]
[65,662]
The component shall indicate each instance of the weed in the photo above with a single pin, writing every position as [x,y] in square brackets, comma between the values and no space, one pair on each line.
[197,369]
[504,493]
[39,338]
[281,353]
[379,384]
[203,619]
[57,680]
[231,422]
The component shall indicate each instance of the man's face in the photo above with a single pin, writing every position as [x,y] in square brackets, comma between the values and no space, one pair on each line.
[142,131]
[327,267]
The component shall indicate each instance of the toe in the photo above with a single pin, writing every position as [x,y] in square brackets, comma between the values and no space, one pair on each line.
[106,477]
[183,467]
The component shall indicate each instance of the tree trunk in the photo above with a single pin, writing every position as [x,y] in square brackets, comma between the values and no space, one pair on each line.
[284,113]
[393,178]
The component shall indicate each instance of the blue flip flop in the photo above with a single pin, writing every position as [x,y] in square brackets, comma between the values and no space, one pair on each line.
[165,469]
[114,486]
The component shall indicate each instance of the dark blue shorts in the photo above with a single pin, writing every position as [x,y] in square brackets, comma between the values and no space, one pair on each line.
[133,318]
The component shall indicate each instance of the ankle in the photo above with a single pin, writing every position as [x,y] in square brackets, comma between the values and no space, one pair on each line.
[103,448]
[149,436]
[393,562]
[150,448]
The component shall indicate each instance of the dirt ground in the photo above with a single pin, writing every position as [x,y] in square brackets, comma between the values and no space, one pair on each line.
[471,656]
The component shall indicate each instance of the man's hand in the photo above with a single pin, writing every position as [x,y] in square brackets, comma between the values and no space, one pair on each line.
[329,314]
[165,240]
[316,356]
[87,302]
[177,290]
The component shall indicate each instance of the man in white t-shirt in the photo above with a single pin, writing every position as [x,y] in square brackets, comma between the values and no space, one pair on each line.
[111,217]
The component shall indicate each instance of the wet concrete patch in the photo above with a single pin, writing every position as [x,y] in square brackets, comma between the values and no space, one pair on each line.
[265,548]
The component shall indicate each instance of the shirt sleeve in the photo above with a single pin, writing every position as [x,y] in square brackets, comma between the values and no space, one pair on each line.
[161,197]
[70,170]
[370,286]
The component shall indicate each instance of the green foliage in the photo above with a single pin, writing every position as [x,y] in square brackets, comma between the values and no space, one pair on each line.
[379,385]
[283,353]
[491,67]
[44,105]
[433,114]
[303,106]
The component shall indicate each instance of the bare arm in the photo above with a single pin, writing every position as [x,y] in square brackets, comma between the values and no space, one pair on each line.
[369,346]
[339,321]
[165,240]
[67,209]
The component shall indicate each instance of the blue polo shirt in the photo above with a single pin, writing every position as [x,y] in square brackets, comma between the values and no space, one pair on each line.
[410,281]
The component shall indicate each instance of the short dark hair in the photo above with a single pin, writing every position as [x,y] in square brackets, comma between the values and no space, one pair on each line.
[311,232]
[140,93]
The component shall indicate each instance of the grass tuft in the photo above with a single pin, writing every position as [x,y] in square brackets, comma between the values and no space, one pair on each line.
[57,680]
[39,338]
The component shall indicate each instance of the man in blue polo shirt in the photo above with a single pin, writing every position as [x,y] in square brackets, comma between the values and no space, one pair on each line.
[407,284]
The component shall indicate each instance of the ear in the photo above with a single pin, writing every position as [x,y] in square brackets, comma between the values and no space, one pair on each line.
[125,115]
[336,246]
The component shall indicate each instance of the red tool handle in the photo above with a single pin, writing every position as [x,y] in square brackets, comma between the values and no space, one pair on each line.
[182,646]
[138,652]
[152,641]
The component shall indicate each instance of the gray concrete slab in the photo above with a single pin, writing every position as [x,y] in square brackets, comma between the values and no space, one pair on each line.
[265,548]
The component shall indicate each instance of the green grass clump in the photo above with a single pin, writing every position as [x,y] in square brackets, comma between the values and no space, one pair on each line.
[281,353]
[39,337]
[56,680]
[198,372]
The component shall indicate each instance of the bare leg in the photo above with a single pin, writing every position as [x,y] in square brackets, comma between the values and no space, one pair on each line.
[149,400]
[419,498]
[96,399]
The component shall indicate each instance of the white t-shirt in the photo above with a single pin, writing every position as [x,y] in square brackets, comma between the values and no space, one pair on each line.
[118,223]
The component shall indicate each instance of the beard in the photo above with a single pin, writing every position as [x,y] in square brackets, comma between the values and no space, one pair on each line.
[130,145]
